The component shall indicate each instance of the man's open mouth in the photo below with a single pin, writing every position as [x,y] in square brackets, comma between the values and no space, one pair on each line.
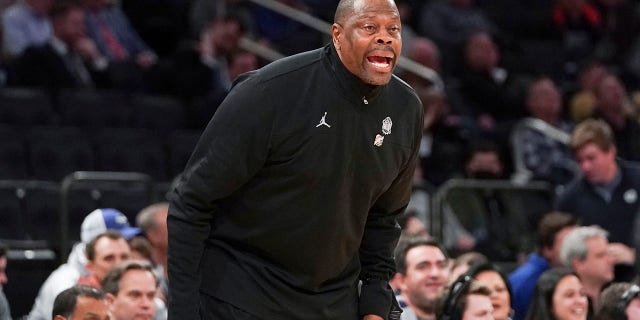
[383,63]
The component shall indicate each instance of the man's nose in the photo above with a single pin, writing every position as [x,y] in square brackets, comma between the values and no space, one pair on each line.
[384,38]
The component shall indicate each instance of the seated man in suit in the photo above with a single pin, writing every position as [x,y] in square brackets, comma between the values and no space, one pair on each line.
[68,60]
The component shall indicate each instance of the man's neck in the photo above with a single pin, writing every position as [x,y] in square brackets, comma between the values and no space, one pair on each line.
[421,313]
[593,292]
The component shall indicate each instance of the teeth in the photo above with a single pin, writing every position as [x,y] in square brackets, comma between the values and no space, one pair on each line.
[380,65]
[578,311]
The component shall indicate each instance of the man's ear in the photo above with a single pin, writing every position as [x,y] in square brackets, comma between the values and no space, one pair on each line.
[577,265]
[547,252]
[59,318]
[89,266]
[336,32]
[110,298]
[398,280]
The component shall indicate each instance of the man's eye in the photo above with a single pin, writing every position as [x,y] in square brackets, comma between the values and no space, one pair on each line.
[369,28]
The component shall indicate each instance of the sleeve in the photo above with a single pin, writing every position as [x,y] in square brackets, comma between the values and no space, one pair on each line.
[381,237]
[137,45]
[232,149]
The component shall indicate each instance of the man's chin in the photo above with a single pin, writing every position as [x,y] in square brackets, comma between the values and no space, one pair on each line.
[378,79]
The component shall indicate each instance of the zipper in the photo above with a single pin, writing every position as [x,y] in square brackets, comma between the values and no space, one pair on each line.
[364,99]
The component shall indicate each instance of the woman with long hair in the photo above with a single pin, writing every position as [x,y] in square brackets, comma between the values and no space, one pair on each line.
[559,295]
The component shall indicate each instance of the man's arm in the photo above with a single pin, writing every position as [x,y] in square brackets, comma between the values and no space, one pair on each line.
[376,251]
[380,239]
[232,149]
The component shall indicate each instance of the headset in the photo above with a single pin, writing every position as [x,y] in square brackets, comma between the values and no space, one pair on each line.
[459,288]
[626,298]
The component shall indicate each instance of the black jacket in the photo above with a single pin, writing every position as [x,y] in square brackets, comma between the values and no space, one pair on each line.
[281,215]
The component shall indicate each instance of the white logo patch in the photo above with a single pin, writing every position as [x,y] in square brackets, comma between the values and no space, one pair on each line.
[323,122]
[630,196]
[386,125]
[378,141]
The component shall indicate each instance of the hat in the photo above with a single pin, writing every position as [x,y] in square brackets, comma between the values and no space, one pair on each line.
[101,220]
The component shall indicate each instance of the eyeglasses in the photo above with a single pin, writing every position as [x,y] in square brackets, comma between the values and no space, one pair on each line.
[458,287]
[629,295]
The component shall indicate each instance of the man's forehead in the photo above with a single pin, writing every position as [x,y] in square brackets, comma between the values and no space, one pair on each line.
[426,253]
[364,8]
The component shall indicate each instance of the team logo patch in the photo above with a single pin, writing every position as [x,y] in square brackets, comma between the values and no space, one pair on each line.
[378,140]
[386,125]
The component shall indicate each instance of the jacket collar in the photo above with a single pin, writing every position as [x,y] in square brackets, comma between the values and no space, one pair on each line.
[352,87]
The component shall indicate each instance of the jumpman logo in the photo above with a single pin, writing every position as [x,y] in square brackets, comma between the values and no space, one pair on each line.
[323,122]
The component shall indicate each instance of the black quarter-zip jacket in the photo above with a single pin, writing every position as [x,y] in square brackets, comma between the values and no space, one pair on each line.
[291,194]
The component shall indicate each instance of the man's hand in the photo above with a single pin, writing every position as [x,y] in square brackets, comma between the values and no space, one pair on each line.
[372,317]
[87,49]
[621,253]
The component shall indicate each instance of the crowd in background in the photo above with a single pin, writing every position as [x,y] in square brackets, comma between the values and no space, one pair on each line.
[560,61]
[557,63]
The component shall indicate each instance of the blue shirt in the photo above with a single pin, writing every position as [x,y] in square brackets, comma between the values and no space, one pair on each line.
[119,26]
[23,27]
[523,280]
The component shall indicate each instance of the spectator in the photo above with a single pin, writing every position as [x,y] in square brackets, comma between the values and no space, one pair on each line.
[423,269]
[580,26]
[619,301]
[585,250]
[492,94]
[5,311]
[464,262]
[80,302]
[467,299]
[552,229]
[103,252]
[132,64]
[412,226]
[445,136]
[67,274]
[484,211]
[68,60]
[501,295]
[449,22]
[559,295]
[583,102]
[621,27]
[115,38]
[607,194]
[547,158]
[25,23]
[614,107]
[131,288]
[241,62]
[418,216]
[201,72]
[425,52]
[152,220]
[141,249]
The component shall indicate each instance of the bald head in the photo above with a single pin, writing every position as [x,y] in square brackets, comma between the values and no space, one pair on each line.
[344,9]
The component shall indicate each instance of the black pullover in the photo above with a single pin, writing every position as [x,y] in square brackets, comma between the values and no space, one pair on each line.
[281,215]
